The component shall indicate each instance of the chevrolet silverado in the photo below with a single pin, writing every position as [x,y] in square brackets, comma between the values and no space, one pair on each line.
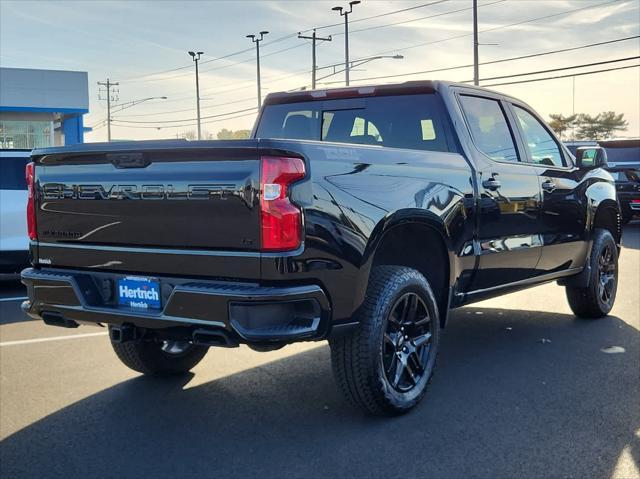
[358,215]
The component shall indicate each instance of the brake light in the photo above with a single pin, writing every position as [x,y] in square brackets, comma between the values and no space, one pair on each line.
[31,204]
[281,220]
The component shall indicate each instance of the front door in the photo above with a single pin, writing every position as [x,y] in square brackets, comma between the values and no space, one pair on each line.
[508,240]
[564,209]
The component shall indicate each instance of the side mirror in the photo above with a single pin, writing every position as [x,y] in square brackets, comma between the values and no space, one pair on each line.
[588,157]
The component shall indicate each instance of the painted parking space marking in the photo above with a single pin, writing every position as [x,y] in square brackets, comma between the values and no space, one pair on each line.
[54,338]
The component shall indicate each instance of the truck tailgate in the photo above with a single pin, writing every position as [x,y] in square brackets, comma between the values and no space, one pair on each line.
[191,201]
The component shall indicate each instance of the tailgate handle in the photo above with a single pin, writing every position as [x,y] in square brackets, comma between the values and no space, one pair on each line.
[128,160]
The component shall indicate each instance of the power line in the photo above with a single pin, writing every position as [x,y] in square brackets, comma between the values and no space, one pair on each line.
[223,57]
[191,124]
[208,107]
[138,78]
[157,122]
[222,67]
[491,62]
[606,62]
[278,77]
[484,79]
[432,42]
[244,85]
[377,16]
[564,76]
[375,27]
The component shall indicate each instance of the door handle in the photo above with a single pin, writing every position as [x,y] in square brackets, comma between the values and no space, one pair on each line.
[548,186]
[491,184]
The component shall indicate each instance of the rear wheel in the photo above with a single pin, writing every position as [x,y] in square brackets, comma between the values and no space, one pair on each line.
[596,300]
[385,365]
[163,358]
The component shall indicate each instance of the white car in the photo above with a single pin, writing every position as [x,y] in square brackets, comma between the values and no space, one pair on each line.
[14,242]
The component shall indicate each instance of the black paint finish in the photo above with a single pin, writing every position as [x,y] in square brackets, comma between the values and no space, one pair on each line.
[191,210]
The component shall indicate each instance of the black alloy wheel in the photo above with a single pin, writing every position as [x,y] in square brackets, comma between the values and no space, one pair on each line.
[407,342]
[606,275]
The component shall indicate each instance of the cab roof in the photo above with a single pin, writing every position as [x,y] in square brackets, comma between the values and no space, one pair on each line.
[405,88]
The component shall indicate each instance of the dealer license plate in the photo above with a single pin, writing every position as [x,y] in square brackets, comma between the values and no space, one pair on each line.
[138,292]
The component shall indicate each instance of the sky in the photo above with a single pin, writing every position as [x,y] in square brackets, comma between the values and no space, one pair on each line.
[143,46]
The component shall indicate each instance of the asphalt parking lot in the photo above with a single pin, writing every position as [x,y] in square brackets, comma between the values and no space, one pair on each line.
[522,389]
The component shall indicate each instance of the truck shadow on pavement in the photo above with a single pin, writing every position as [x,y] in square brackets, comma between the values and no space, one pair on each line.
[503,403]
[631,235]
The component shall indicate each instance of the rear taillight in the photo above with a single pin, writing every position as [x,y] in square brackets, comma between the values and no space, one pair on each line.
[281,220]
[31,203]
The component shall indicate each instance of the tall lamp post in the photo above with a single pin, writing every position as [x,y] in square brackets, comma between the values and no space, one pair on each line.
[195,56]
[476,74]
[255,39]
[343,12]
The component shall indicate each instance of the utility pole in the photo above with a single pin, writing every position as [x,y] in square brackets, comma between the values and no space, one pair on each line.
[257,41]
[344,13]
[314,39]
[195,56]
[476,73]
[108,85]
[573,106]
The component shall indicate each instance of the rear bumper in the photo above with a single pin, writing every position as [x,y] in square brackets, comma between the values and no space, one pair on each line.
[243,312]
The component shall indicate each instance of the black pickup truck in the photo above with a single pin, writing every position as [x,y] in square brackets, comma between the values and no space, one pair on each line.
[358,215]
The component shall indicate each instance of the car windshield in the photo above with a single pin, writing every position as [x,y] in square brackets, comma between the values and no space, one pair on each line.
[411,121]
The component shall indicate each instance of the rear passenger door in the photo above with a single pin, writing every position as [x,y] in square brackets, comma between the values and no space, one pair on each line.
[564,208]
[508,241]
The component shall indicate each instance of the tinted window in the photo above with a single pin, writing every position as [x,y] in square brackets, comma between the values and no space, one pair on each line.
[12,173]
[543,148]
[621,155]
[404,121]
[489,128]
[624,176]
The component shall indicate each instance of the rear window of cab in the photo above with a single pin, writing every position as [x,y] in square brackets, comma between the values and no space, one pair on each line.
[417,122]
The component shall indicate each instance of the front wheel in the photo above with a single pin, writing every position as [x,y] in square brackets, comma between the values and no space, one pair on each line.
[384,367]
[596,300]
[163,358]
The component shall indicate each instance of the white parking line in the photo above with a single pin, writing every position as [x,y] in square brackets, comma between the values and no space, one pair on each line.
[18,298]
[55,338]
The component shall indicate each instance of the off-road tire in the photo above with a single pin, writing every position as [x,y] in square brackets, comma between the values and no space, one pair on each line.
[148,358]
[357,358]
[588,302]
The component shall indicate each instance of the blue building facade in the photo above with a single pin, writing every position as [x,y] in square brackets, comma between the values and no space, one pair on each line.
[40,108]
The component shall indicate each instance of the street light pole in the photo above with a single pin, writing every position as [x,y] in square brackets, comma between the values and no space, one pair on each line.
[476,73]
[255,39]
[344,13]
[314,38]
[195,56]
